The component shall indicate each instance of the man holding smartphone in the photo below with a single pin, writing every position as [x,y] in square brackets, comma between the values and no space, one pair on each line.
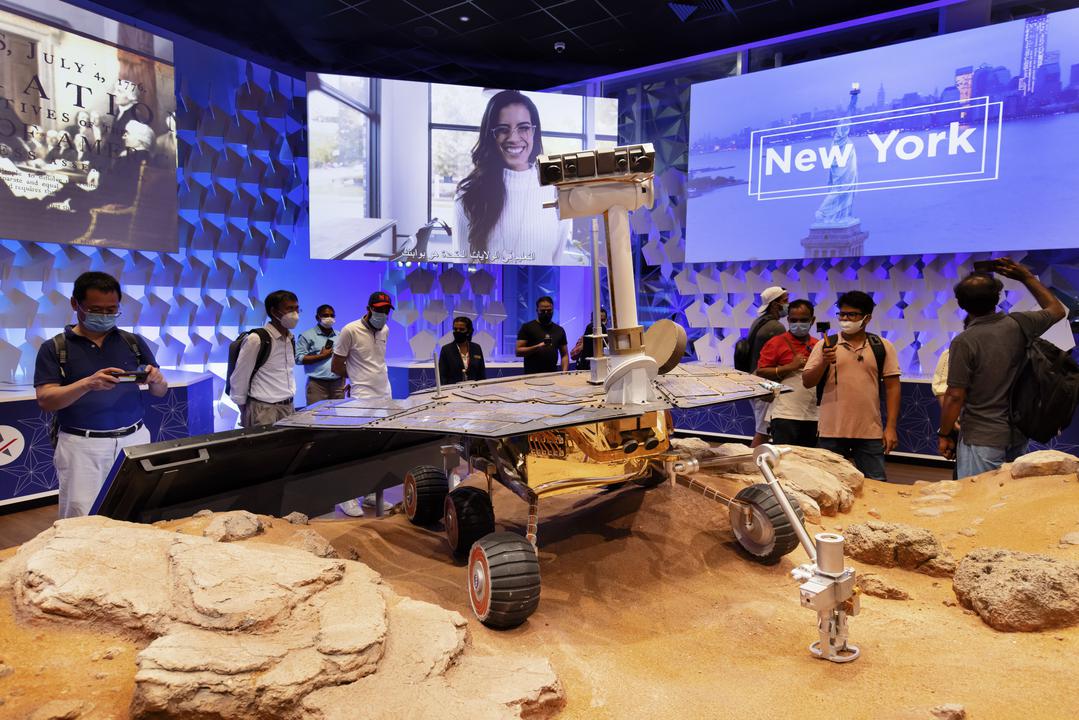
[984,362]
[89,375]
[314,350]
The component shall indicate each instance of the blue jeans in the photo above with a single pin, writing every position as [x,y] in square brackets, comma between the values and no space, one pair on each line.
[976,459]
[867,455]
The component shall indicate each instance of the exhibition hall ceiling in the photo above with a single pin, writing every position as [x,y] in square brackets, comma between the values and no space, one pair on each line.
[512,43]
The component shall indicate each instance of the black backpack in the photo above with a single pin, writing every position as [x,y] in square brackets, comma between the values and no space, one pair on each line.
[743,349]
[1046,391]
[265,345]
[875,344]
[59,342]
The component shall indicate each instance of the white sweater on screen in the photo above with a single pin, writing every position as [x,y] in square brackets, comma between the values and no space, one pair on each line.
[525,228]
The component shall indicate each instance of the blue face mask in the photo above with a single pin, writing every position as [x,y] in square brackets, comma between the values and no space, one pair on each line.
[800,329]
[99,322]
[783,309]
[378,320]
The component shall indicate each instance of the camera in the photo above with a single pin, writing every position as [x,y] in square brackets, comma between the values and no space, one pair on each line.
[627,162]
[559,47]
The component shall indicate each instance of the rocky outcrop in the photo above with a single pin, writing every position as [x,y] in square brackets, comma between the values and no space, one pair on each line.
[877,586]
[310,541]
[823,482]
[897,545]
[297,518]
[1045,462]
[1017,591]
[259,631]
[949,711]
[232,526]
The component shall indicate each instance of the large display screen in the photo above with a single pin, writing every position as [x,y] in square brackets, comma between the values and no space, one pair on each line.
[444,173]
[87,130]
[958,143]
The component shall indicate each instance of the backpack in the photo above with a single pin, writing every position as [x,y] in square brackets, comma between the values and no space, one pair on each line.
[265,345]
[59,343]
[743,349]
[1046,391]
[875,344]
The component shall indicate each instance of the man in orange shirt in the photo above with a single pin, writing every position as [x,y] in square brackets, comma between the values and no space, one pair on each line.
[854,365]
[793,414]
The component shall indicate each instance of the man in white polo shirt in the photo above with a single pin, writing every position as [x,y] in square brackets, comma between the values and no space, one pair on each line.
[360,354]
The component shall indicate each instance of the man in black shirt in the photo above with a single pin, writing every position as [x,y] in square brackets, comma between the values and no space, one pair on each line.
[541,342]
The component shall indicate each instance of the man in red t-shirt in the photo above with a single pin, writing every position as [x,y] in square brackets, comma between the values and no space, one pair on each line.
[794,414]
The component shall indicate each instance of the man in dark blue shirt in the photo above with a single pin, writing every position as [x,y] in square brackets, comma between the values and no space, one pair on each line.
[90,378]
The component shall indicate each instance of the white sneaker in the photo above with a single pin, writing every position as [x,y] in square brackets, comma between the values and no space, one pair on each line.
[352,507]
[369,501]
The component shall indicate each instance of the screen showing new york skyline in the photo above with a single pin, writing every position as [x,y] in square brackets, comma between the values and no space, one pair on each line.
[958,143]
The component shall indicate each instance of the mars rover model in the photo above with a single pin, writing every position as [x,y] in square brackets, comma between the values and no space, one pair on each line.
[547,435]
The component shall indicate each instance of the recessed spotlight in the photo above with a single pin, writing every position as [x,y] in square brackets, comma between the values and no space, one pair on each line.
[464,18]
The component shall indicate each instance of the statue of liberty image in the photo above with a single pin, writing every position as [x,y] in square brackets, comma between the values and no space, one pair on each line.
[835,209]
[835,231]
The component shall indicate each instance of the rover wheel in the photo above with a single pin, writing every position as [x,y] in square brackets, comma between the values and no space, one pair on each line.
[503,579]
[425,489]
[767,535]
[468,516]
[653,477]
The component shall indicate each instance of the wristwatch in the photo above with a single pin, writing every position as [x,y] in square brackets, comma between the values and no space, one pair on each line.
[952,435]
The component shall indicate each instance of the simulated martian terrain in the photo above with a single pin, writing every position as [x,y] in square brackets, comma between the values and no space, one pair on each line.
[649,609]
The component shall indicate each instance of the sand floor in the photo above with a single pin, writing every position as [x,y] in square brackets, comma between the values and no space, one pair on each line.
[650,611]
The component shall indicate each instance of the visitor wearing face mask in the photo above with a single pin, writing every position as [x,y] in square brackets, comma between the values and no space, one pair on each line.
[582,351]
[314,350]
[772,309]
[854,366]
[360,354]
[541,342]
[794,414]
[461,360]
[266,393]
[78,376]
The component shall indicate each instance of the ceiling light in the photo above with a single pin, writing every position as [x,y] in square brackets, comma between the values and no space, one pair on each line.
[464,18]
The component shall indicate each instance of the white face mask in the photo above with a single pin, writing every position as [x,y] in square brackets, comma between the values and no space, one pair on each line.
[850,327]
[327,322]
[289,320]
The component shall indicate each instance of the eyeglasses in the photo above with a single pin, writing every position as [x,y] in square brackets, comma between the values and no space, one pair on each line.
[114,311]
[850,315]
[501,133]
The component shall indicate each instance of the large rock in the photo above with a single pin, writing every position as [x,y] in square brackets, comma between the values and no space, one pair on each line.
[255,631]
[1045,462]
[827,479]
[1017,591]
[897,545]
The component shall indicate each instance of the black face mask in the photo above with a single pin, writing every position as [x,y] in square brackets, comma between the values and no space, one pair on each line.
[461,336]
[545,316]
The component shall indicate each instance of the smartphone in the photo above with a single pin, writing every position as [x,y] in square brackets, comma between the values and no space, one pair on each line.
[328,345]
[985,266]
[135,376]
[824,327]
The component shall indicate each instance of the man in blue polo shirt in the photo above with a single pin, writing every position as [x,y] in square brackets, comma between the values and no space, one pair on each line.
[87,376]
[314,350]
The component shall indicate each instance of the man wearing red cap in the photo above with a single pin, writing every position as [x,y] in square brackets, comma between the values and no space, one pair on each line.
[360,354]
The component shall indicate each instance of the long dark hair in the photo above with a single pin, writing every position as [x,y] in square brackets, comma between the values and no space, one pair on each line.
[483,192]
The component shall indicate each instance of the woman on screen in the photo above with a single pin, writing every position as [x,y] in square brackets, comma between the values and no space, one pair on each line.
[500,216]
